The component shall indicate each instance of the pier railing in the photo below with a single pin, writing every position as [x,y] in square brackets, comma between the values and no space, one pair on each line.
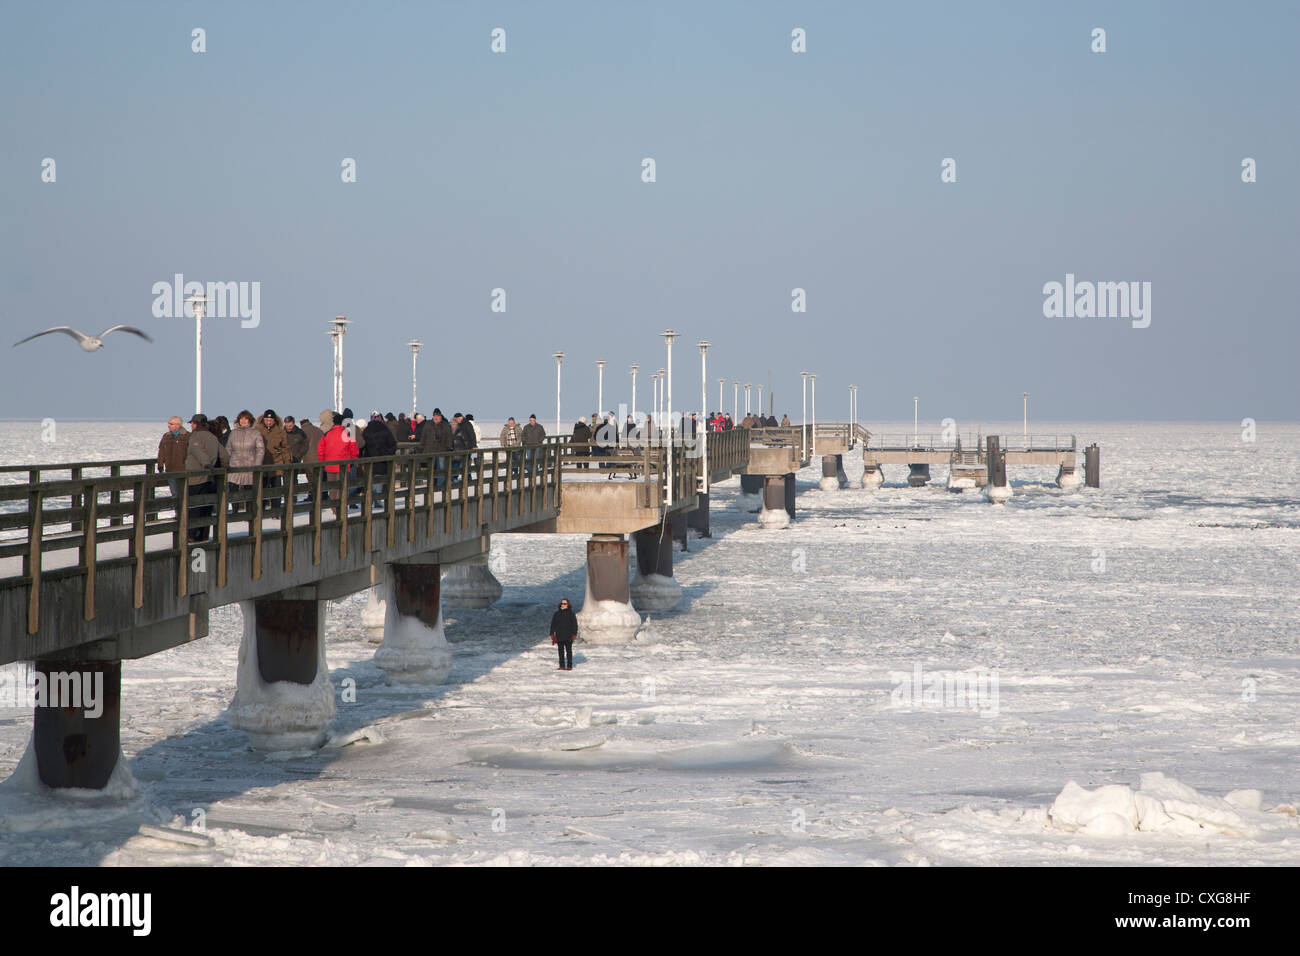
[930,443]
[134,502]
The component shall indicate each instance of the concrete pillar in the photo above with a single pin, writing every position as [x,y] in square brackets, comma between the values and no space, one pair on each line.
[677,523]
[1067,479]
[830,473]
[415,649]
[372,615]
[607,614]
[284,699]
[1092,466]
[751,493]
[470,584]
[77,746]
[699,518]
[918,475]
[775,513]
[873,476]
[998,489]
[653,589]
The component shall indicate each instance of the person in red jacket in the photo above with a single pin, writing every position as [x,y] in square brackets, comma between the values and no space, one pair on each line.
[333,446]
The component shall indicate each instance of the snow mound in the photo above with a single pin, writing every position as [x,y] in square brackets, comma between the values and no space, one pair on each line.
[779,518]
[27,805]
[607,622]
[1160,805]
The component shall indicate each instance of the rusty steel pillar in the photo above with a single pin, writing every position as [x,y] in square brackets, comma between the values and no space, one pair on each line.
[77,745]
[415,648]
[287,640]
[778,501]
[607,613]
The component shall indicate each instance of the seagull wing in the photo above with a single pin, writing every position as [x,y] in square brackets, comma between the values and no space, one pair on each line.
[66,330]
[126,328]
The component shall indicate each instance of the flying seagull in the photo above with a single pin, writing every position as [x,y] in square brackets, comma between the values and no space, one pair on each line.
[90,343]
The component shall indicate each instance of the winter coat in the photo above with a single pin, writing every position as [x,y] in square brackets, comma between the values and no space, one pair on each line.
[785,421]
[399,429]
[202,452]
[335,445]
[171,451]
[314,435]
[246,448]
[277,443]
[564,624]
[298,441]
[436,437]
[534,434]
[511,436]
[581,435]
[464,437]
[379,443]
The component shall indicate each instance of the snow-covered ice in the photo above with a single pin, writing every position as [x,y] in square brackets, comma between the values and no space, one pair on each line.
[1144,636]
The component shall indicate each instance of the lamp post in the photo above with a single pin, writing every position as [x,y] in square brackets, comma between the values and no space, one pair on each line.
[916,431]
[813,378]
[735,401]
[414,345]
[702,423]
[633,368]
[559,361]
[338,328]
[721,407]
[760,401]
[197,302]
[669,335]
[659,407]
[748,385]
[654,401]
[1025,396]
[600,389]
[803,425]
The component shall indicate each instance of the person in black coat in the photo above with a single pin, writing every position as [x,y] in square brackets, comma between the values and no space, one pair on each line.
[564,628]
[380,443]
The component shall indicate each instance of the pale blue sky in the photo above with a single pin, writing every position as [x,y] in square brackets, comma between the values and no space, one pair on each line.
[775,170]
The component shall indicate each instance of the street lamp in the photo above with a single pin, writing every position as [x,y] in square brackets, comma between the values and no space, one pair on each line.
[916,431]
[338,328]
[197,302]
[1025,396]
[669,335]
[735,401]
[721,407]
[748,386]
[559,361]
[600,388]
[414,345]
[633,368]
[760,401]
[702,423]
[803,427]
[813,377]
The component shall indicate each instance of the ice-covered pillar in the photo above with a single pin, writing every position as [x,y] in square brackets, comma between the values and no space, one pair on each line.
[789,495]
[998,490]
[415,649]
[653,588]
[775,513]
[607,614]
[284,699]
[699,518]
[918,475]
[77,746]
[751,493]
[1067,479]
[840,475]
[470,584]
[873,475]
[372,615]
[1092,466]
[830,473]
[677,523]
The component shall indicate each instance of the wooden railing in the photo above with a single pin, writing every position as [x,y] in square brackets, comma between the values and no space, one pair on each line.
[83,512]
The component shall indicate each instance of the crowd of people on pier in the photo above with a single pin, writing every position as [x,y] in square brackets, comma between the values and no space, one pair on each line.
[215,450]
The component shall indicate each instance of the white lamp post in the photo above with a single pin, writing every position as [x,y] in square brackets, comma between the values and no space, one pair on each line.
[702,422]
[414,345]
[198,302]
[760,401]
[339,328]
[916,431]
[600,389]
[633,368]
[735,401]
[559,361]
[721,407]
[748,386]
[1025,396]
[803,425]
[813,378]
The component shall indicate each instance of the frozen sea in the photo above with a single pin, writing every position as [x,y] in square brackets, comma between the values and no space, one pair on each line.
[1144,639]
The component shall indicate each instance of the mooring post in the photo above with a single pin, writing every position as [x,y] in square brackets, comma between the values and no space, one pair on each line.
[1092,466]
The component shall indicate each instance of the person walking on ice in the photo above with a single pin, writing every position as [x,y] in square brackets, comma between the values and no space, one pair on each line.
[564,628]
